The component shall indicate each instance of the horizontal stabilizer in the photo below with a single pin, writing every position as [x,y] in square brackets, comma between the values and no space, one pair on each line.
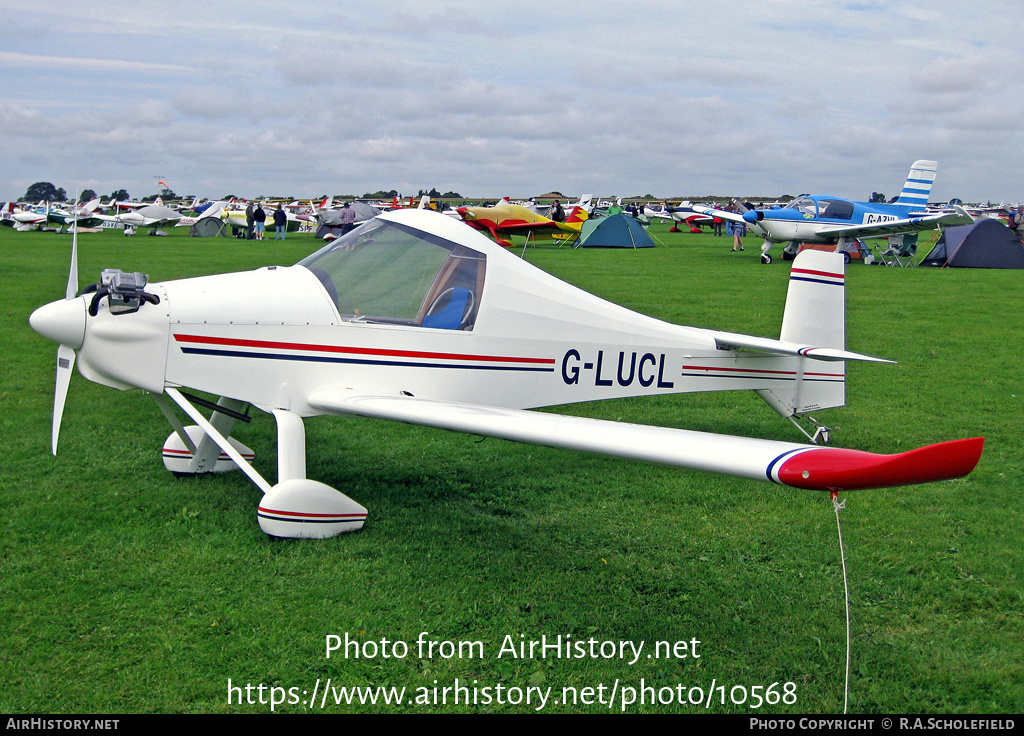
[727,340]
[787,463]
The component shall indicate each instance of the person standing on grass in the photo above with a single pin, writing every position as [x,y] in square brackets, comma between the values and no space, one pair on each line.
[556,212]
[738,231]
[280,222]
[348,218]
[249,221]
[259,220]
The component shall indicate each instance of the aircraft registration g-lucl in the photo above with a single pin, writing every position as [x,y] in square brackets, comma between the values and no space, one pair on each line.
[417,318]
[830,219]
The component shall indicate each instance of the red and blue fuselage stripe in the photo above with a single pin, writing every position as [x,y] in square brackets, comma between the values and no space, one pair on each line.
[223,346]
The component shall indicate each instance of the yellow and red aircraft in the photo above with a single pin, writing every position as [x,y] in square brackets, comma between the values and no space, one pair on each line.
[514,219]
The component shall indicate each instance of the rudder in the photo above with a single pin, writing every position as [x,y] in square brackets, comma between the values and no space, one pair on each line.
[815,315]
[918,186]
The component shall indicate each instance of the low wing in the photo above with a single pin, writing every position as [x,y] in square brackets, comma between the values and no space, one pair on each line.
[895,227]
[785,463]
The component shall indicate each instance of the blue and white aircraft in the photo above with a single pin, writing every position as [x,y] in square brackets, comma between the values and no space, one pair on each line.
[829,219]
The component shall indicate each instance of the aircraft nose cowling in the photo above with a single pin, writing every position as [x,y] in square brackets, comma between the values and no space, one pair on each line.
[62,321]
[128,350]
[753,216]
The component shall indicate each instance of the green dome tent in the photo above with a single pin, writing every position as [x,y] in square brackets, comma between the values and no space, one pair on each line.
[208,227]
[614,231]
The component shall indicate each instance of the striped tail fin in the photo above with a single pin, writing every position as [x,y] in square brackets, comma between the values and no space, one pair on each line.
[815,314]
[919,182]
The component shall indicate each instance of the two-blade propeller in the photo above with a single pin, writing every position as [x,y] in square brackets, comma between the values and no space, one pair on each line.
[58,321]
[65,354]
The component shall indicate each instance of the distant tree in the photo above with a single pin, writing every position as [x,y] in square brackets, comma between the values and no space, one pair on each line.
[877,197]
[382,194]
[45,190]
[120,195]
[451,195]
[86,195]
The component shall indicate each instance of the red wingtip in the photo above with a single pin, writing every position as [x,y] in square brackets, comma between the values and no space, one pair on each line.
[834,469]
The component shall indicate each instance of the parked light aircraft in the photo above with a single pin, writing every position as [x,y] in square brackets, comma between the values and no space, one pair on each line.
[151,216]
[830,219]
[514,219]
[694,220]
[22,219]
[75,215]
[416,318]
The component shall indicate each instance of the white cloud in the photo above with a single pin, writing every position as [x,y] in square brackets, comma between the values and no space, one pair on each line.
[778,96]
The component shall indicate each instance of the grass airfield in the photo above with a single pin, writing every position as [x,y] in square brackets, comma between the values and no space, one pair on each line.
[124,589]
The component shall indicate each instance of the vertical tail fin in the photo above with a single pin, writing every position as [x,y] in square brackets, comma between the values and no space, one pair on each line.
[577,215]
[815,315]
[919,182]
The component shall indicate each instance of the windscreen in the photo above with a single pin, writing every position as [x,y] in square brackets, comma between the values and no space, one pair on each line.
[384,272]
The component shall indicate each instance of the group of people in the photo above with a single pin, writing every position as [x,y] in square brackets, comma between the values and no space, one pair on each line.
[256,222]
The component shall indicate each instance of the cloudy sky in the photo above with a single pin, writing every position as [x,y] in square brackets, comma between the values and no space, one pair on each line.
[767,97]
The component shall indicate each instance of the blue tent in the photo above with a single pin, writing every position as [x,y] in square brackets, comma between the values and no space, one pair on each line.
[985,244]
[614,231]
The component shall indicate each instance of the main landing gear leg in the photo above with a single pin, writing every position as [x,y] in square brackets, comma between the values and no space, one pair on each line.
[296,506]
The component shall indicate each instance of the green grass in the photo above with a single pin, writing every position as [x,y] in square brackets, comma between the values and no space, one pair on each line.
[123,589]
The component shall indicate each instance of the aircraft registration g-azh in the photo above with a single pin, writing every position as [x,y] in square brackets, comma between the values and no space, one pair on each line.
[417,318]
[830,219]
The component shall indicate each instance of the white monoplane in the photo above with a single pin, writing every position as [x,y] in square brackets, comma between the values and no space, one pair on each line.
[417,318]
[151,216]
